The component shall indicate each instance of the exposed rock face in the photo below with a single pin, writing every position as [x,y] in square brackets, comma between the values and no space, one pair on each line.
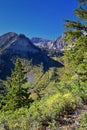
[17,43]
[5,40]
[22,44]
[56,44]
[40,42]
[14,46]
[6,37]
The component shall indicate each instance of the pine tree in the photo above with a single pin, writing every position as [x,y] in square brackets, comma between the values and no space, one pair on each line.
[18,95]
[76,49]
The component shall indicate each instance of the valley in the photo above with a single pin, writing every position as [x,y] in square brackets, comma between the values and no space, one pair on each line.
[43,83]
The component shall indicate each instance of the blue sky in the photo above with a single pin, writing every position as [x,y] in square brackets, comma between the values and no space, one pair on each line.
[36,18]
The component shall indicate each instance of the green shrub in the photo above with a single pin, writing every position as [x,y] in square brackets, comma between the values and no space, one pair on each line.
[82,121]
[46,110]
[51,107]
[17,120]
[80,90]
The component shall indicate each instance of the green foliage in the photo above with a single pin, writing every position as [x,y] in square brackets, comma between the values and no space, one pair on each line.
[82,121]
[52,107]
[2,93]
[73,24]
[75,55]
[15,120]
[56,93]
[17,95]
[81,12]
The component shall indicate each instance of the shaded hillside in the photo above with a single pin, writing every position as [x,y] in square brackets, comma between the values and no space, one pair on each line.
[20,46]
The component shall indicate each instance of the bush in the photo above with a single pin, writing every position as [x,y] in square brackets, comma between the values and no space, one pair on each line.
[81,91]
[44,111]
[17,120]
[83,121]
[51,107]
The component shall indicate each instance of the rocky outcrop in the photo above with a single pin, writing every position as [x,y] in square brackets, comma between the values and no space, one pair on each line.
[57,44]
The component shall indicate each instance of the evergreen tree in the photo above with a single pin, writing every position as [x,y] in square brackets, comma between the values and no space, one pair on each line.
[76,50]
[2,93]
[17,95]
[54,75]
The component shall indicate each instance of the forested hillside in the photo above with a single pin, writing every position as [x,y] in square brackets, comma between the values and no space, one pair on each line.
[50,94]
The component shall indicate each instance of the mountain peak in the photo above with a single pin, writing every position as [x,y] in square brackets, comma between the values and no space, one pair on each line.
[16,43]
[9,34]
[21,36]
[56,44]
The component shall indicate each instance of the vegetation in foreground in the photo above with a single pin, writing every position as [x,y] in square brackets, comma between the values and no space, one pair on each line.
[58,99]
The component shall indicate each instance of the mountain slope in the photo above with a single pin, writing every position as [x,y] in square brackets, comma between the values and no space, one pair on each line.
[40,42]
[14,46]
[56,44]
[16,43]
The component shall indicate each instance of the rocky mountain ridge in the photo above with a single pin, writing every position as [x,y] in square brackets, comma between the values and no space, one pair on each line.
[14,46]
[16,43]
[57,44]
